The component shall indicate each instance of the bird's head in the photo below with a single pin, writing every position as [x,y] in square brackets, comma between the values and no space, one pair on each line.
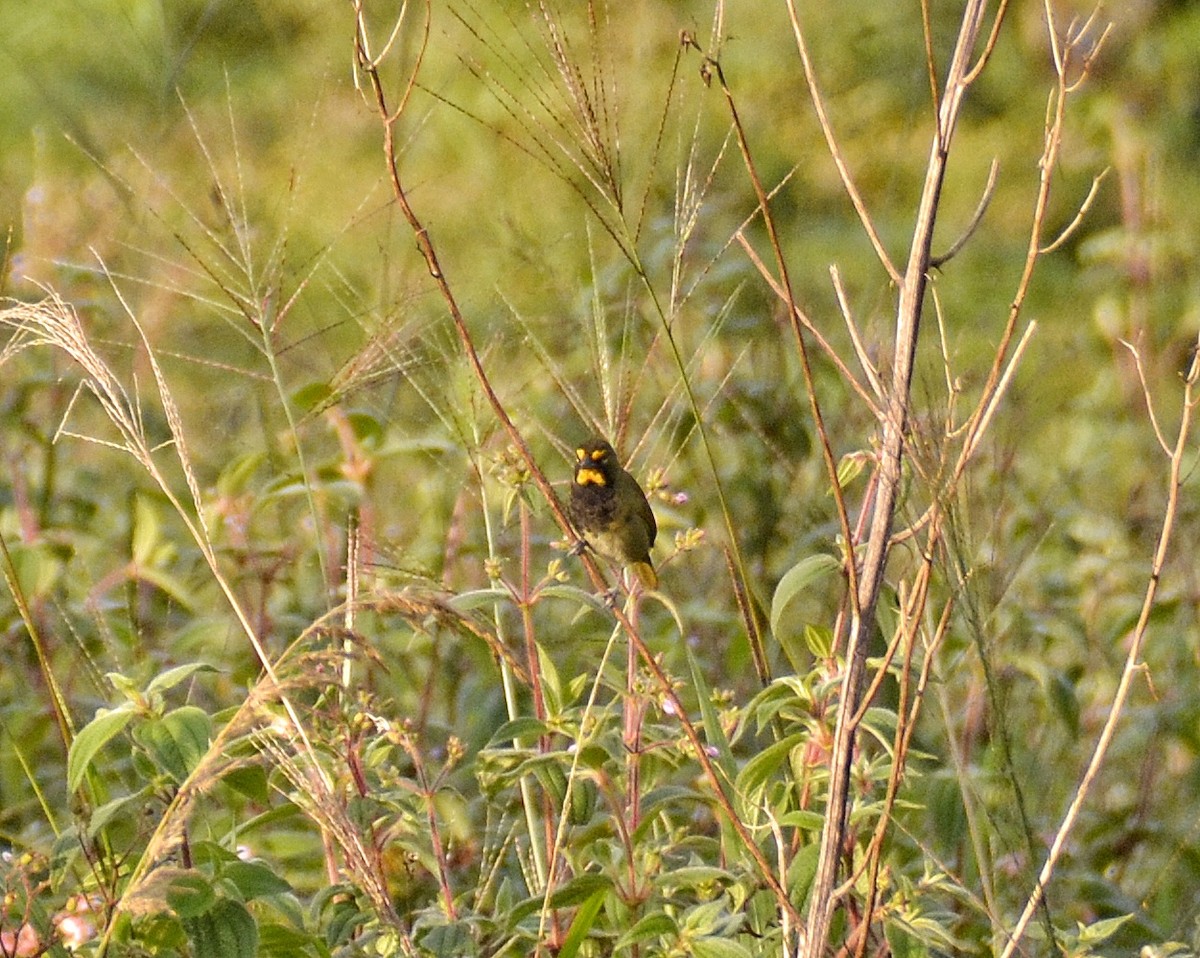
[595,463]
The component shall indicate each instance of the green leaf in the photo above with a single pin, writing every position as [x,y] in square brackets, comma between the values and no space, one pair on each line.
[851,466]
[692,876]
[172,677]
[585,917]
[127,687]
[368,430]
[577,596]
[719,948]
[575,892]
[36,568]
[147,531]
[819,640]
[441,939]
[276,940]
[123,810]
[478,598]
[254,880]
[803,818]
[881,724]
[801,872]
[177,741]
[1099,931]
[227,930]
[902,942]
[714,733]
[756,771]
[654,925]
[337,913]
[251,781]
[309,396]
[169,585]
[106,726]
[190,894]
[786,692]
[579,889]
[552,687]
[525,729]
[806,573]
[211,853]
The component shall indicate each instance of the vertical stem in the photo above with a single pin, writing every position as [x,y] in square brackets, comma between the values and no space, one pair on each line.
[508,681]
[1132,668]
[908,318]
[532,660]
[633,724]
[525,604]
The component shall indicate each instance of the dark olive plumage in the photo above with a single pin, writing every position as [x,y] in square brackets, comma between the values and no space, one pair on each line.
[610,512]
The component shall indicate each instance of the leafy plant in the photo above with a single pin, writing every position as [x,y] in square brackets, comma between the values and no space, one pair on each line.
[282,522]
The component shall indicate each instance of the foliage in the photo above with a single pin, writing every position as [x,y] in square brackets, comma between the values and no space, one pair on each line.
[300,659]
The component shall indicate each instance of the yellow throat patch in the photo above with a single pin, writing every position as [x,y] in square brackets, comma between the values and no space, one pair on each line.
[589,477]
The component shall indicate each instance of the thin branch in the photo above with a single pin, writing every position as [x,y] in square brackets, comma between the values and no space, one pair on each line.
[975,428]
[990,46]
[1092,53]
[804,320]
[860,351]
[894,425]
[993,404]
[1141,372]
[930,60]
[952,387]
[1132,667]
[989,189]
[789,298]
[835,151]
[1079,215]
[793,312]
[1052,142]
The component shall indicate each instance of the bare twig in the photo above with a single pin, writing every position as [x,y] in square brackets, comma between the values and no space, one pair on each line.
[930,61]
[974,430]
[912,290]
[835,151]
[1132,667]
[907,712]
[793,315]
[1003,364]
[1141,373]
[860,350]
[826,347]
[990,46]
[1079,214]
[989,189]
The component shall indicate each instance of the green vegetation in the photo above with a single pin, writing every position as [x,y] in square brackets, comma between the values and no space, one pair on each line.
[303,321]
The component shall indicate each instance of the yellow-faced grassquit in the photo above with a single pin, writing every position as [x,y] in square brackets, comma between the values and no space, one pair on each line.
[610,512]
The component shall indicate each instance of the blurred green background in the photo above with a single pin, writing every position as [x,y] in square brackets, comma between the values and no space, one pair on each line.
[214,157]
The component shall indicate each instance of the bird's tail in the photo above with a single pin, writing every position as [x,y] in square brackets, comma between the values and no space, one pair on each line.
[646,574]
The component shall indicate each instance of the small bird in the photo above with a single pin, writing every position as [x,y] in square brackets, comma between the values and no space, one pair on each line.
[610,512]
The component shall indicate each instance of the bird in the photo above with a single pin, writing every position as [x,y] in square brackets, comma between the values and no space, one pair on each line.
[610,511]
